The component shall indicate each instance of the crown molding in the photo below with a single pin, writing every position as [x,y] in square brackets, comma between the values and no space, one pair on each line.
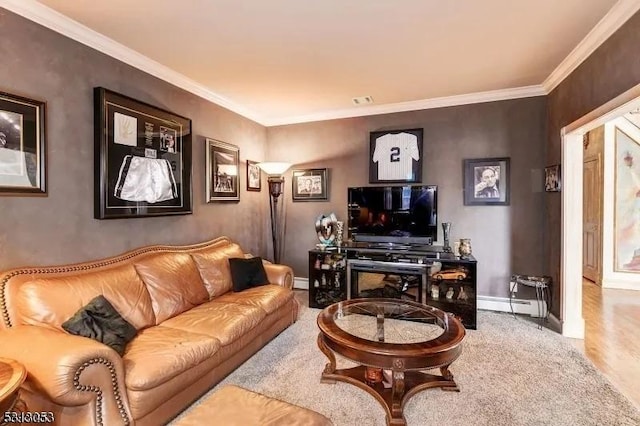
[447,101]
[609,24]
[49,18]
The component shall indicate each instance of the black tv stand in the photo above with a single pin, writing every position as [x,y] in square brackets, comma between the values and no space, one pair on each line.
[337,274]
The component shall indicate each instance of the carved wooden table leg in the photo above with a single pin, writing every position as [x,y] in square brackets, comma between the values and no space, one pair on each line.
[397,396]
[446,374]
[331,365]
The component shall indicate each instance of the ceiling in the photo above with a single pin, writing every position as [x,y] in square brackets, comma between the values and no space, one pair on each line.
[287,61]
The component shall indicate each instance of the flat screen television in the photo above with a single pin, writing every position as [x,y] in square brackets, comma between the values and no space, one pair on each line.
[398,214]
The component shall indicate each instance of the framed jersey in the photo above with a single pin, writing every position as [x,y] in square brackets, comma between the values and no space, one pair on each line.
[395,156]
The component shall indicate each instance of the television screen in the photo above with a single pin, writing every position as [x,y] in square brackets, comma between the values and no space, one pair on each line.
[394,213]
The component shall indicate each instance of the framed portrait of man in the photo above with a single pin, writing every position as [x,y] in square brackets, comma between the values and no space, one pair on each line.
[486,181]
[310,185]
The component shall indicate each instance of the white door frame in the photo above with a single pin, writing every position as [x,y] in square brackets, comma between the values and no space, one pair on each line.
[571,210]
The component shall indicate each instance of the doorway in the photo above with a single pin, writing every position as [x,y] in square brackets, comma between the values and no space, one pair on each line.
[572,159]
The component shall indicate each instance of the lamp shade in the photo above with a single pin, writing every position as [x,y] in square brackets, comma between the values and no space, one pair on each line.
[274,168]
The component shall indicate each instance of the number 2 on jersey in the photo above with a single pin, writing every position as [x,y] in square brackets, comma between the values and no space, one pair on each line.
[395,154]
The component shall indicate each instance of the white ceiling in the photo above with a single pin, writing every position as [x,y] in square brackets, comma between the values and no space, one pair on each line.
[285,61]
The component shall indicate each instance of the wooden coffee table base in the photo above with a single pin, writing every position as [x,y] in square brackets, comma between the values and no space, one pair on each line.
[404,384]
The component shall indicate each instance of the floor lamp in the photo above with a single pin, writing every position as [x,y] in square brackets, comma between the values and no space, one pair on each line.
[274,171]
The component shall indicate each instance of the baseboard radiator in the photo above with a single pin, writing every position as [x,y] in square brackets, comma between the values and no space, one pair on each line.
[487,303]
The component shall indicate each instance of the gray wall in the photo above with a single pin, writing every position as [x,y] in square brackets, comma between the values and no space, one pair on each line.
[505,239]
[41,64]
[610,71]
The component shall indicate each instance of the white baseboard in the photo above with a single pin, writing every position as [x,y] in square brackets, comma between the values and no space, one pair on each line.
[488,303]
[520,306]
[301,283]
[622,284]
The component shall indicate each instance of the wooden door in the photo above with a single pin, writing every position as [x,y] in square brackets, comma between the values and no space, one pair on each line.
[592,219]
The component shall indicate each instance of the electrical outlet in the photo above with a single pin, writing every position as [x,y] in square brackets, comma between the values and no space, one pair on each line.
[513,286]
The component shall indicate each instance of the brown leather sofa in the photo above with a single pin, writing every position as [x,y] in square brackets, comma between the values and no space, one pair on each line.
[193,330]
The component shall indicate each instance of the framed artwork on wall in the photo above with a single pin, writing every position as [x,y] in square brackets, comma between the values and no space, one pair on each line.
[486,182]
[395,156]
[254,175]
[142,159]
[22,146]
[222,174]
[310,185]
[552,182]
[626,239]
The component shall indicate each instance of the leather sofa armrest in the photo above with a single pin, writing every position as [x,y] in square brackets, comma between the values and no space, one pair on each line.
[279,274]
[70,370]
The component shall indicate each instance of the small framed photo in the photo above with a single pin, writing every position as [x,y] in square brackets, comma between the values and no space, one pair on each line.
[223,164]
[552,178]
[310,185]
[395,156]
[486,182]
[22,146]
[254,181]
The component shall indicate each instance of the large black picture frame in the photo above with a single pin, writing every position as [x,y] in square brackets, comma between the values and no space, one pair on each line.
[395,156]
[22,146]
[142,159]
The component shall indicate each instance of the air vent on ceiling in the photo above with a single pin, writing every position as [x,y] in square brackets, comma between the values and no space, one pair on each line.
[362,100]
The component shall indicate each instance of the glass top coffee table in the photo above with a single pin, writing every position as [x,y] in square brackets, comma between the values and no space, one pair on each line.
[391,340]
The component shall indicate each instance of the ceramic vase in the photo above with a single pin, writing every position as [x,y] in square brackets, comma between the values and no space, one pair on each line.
[465,247]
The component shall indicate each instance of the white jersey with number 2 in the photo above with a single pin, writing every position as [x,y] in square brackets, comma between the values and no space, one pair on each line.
[395,154]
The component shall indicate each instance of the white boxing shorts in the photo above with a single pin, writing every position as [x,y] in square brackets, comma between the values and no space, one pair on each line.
[145,179]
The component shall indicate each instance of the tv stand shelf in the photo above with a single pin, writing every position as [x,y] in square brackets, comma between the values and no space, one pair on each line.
[454,289]
[327,283]
[451,288]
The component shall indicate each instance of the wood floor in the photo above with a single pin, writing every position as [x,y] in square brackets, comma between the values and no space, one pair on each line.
[612,336]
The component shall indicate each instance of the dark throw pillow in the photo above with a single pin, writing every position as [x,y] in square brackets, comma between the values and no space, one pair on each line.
[99,320]
[247,273]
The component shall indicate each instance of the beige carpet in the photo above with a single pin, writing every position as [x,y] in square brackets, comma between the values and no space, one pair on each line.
[510,373]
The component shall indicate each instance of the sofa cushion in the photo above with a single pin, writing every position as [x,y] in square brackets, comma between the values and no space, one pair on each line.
[159,354]
[53,300]
[173,282]
[247,273]
[224,321]
[213,265]
[267,297]
[99,321]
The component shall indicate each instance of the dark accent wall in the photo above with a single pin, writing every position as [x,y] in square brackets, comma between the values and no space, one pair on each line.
[41,64]
[524,237]
[610,71]
[505,239]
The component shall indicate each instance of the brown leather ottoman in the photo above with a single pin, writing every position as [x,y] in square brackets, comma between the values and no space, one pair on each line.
[233,405]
